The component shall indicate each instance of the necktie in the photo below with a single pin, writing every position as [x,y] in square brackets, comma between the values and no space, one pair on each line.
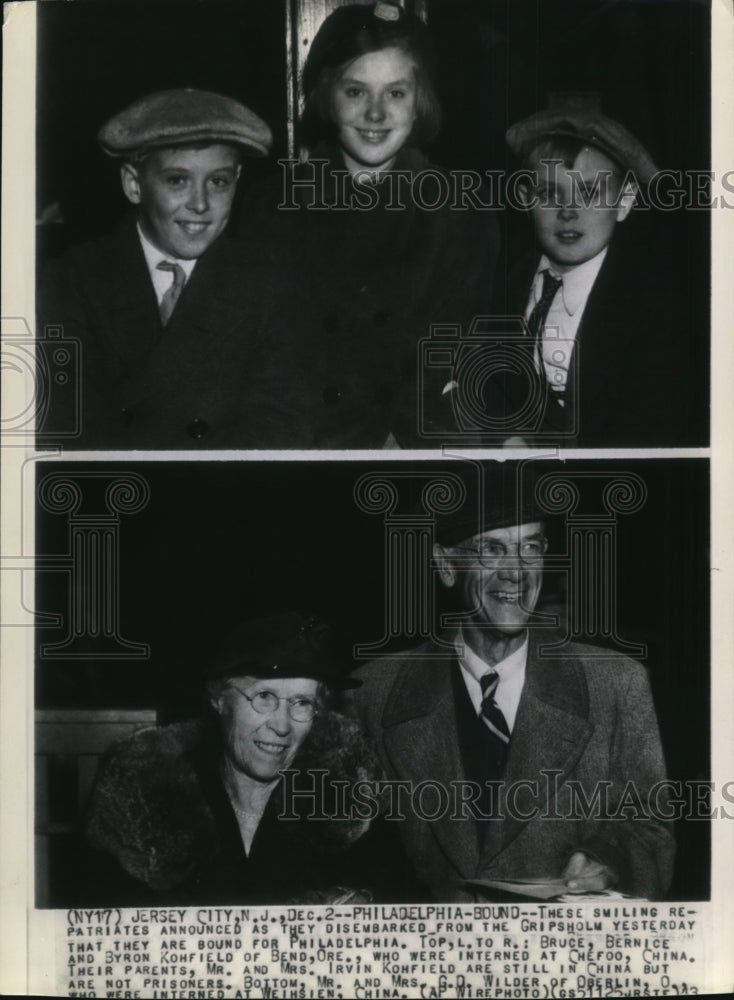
[536,319]
[169,300]
[490,710]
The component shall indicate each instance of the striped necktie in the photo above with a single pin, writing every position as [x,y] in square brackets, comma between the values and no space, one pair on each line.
[537,318]
[490,710]
[169,300]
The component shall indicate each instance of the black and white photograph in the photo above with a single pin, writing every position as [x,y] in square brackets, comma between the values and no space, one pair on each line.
[366,555]
[462,223]
[286,595]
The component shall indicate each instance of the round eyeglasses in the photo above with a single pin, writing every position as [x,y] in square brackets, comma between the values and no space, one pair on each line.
[266,702]
[491,551]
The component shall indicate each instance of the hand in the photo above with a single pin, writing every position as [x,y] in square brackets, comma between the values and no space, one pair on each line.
[584,874]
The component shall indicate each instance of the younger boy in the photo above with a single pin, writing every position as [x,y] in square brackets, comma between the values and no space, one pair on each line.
[597,290]
[165,308]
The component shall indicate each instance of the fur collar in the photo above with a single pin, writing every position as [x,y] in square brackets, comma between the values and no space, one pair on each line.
[150,811]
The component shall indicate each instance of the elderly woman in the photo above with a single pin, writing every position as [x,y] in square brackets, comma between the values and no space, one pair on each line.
[200,812]
[368,240]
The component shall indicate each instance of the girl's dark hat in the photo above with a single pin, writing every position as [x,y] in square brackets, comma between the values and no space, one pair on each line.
[288,645]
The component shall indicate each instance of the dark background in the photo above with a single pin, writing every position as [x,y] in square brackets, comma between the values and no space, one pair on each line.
[222,542]
[497,62]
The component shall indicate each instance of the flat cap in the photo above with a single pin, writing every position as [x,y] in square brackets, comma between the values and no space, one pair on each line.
[286,645]
[578,116]
[179,117]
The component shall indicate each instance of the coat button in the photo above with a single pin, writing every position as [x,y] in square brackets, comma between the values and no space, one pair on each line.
[330,323]
[331,395]
[127,416]
[197,428]
[381,317]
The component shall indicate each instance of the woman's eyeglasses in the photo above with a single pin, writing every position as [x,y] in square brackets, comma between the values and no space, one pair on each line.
[267,702]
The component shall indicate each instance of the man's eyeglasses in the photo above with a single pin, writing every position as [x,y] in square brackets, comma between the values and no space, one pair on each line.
[492,551]
[267,702]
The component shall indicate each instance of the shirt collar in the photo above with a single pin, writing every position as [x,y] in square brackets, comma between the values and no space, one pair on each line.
[153,256]
[511,677]
[476,667]
[578,282]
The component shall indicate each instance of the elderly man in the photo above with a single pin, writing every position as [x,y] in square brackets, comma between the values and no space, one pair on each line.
[539,755]
[169,313]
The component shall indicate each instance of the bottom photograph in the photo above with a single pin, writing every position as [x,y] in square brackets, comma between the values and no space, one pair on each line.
[345,683]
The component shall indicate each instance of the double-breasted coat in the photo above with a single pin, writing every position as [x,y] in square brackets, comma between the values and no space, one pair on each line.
[365,271]
[198,382]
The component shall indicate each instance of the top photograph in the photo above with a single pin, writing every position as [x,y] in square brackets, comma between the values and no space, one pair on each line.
[311,225]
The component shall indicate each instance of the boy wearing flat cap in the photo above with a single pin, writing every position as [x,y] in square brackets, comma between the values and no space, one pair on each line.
[597,288]
[166,308]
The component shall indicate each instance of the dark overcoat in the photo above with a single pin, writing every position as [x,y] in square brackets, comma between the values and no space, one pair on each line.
[636,374]
[365,271]
[584,717]
[199,382]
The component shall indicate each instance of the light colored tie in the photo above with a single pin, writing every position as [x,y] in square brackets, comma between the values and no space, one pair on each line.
[169,300]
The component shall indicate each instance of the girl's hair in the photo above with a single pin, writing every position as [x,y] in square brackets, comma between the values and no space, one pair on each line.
[353,31]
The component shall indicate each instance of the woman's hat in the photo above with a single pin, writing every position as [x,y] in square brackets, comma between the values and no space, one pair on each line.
[287,645]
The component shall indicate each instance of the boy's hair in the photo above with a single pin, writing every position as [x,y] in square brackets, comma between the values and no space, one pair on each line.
[353,31]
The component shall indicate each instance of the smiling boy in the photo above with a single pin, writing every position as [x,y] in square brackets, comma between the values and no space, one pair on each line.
[598,288]
[166,309]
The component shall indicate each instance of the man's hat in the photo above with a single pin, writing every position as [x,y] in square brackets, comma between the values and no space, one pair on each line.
[578,116]
[180,117]
[288,645]
[499,495]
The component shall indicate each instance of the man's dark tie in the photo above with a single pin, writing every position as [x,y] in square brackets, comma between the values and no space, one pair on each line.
[537,318]
[169,300]
[490,710]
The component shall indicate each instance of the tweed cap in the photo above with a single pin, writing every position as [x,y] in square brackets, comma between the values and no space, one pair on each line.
[578,116]
[500,495]
[179,117]
[287,645]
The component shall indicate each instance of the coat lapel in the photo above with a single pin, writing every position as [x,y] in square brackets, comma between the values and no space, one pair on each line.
[134,323]
[551,733]
[211,309]
[421,741]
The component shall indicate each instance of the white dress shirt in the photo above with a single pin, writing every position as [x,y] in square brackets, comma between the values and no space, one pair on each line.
[162,280]
[511,673]
[564,315]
